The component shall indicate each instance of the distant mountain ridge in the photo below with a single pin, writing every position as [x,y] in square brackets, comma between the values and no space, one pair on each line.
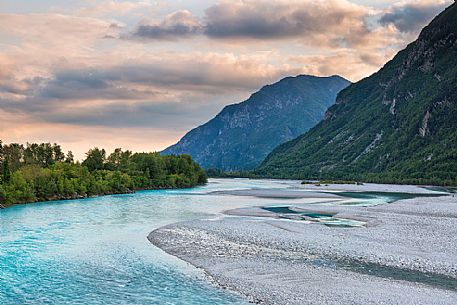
[398,125]
[242,135]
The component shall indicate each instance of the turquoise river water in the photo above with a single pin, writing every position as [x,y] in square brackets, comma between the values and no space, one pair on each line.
[95,251]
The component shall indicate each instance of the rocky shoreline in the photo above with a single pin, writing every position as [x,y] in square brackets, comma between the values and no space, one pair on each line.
[405,254]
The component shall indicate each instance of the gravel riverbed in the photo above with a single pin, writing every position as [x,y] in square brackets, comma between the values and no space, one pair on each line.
[406,253]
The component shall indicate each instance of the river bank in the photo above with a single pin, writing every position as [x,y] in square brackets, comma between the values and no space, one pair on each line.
[403,253]
[86,196]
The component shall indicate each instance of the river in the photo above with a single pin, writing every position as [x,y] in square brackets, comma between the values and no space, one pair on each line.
[95,250]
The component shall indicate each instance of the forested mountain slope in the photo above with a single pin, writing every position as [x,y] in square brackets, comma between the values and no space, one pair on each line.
[398,125]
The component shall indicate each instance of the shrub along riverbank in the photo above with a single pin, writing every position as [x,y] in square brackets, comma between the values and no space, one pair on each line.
[42,172]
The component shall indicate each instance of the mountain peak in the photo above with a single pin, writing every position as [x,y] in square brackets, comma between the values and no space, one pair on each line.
[242,134]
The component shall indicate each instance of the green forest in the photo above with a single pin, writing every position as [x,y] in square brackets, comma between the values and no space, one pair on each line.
[43,172]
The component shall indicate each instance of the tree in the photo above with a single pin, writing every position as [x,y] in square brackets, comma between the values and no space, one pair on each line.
[39,173]
[59,156]
[2,158]
[14,155]
[48,154]
[18,190]
[95,159]
[119,160]
[2,194]
[69,158]
[31,154]
[5,171]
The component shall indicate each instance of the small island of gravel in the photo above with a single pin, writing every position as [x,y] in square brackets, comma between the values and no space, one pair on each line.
[403,252]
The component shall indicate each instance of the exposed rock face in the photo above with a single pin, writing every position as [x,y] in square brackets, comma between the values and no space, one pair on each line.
[411,102]
[242,135]
[424,129]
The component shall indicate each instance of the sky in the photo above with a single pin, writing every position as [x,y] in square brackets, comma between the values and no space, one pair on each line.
[140,74]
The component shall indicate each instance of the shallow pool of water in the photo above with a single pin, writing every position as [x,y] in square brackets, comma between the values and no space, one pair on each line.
[288,212]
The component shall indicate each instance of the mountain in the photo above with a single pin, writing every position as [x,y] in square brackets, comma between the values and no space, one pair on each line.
[242,135]
[398,125]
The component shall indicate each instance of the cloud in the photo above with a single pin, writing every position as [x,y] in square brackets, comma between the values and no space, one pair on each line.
[170,90]
[53,29]
[331,23]
[178,24]
[117,8]
[163,115]
[197,71]
[60,69]
[37,42]
[282,19]
[412,16]
[349,64]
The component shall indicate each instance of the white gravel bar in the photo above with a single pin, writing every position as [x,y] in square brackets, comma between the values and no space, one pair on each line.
[405,254]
